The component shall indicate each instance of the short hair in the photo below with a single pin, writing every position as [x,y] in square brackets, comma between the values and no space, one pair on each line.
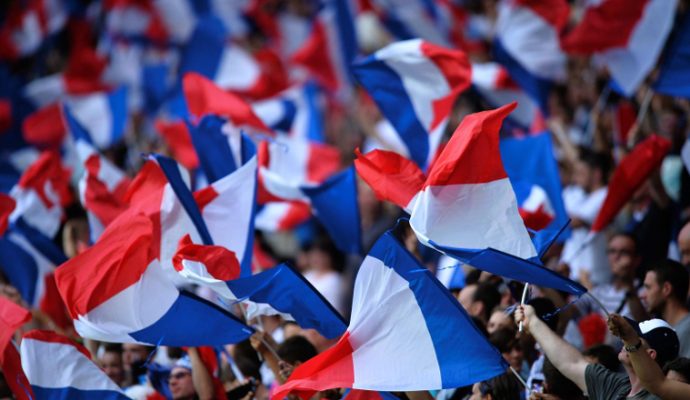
[545,310]
[487,294]
[504,387]
[681,365]
[558,385]
[676,275]
[606,355]
[504,340]
[296,348]
[597,160]
[627,235]
[112,348]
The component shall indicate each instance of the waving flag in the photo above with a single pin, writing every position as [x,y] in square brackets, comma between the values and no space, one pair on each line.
[527,44]
[117,291]
[58,368]
[228,65]
[534,175]
[414,19]
[494,84]
[12,317]
[630,174]
[293,170]
[277,291]
[469,213]
[673,78]
[7,205]
[28,24]
[41,193]
[331,47]
[403,334]
[28,260]
[626,36]
[297,112]
[103,186]
[415,84]
[204,97]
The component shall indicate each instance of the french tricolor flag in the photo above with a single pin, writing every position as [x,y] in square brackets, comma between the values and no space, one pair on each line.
[403,334]
[331,47]
[414,19]
[102,187]
[626,36]
[280,290]
[58,368]
[415,84]
[7,204]
[297,112]
[228,65]
[528,45]
[117,291]
[494,84]
[41,193]
[469,213]
[28,24]
[12,317]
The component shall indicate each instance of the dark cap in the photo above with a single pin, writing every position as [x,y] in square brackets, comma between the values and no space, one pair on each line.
[660,336]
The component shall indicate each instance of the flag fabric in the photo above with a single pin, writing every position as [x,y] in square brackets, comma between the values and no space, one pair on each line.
[58,368]
[7,204]
[293,170]
[402,336]
[27,26]
[625,36]
[493,82]
[673,79]
[117,291]
[296,112]
[527,44]
[204,97]
[469,214]
[41,194]
[12,317]
[534,175]
[629,175]
[277,291]
[331,47]
[221,213]
[414,19]
[415,83]
[28,259]
[282,216]
[102,187]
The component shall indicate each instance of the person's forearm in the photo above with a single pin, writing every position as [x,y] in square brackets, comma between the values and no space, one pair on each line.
[201,376]
[566,358]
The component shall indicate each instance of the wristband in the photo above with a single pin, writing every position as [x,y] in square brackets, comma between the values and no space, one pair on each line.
[633,348]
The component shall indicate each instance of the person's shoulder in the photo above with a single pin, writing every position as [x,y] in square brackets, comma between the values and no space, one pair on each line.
[603,383]
[683,325]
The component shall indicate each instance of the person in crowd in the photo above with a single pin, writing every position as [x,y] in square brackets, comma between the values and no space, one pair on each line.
[620,293]
[665,293]
[479,299]
[499,319]
[643,359]
[501,387]
[605,355]
[678,370]
[505,341]
[323,271]
[111,362]
[595,379]
[684,244]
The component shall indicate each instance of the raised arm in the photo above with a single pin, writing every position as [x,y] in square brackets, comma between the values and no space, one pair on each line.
[648,371]
[566,358]
[201,376]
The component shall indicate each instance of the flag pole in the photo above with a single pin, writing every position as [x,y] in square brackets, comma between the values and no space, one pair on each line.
[522,302]
[589,293]
[519,377]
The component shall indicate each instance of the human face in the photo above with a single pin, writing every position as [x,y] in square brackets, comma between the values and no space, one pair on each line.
[132,353]
[111,363]
[181,384]
[498,320]
[622,256]
[684,245]
[652,295]
[465,297]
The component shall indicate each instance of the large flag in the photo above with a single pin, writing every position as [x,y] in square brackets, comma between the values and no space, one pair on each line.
[277,291]
[527,44]
[12,317]
[626,36]
[673,78]
[534,175]
[58,368]
[630,174]
[7,204]
[414,19]
[117,291]
[415,84]
[403,334]
[469,213]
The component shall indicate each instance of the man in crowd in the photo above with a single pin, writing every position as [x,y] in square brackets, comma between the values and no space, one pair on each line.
[594,379]
[665,293]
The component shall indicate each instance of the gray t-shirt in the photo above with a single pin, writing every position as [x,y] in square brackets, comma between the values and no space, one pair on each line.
[603,384]
[683,331]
